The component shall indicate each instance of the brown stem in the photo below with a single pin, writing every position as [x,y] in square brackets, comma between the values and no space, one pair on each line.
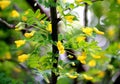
[6,23]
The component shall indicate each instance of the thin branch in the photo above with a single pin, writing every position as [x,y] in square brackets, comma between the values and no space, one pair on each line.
[6,23]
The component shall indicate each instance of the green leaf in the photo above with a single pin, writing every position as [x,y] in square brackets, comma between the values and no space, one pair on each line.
[64,80]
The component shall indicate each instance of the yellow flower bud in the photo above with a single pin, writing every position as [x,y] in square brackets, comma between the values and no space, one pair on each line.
[87,77]
[71,76]
[60,67]
[73,63]
[97,31]
[49,27]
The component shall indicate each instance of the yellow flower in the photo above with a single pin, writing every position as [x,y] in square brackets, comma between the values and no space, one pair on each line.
[49,27]
[71,76]
[78,1]
[23,57]
[101,74]
[8,55]
[69,18]
[80,38]
[118,1]
[28,35]
[4,4]
[97,31]
[19,43]
[87,31]
[60,47]
[14,14]
[92,63]
[24,18]
[82,58]
[87,77]
[96,56]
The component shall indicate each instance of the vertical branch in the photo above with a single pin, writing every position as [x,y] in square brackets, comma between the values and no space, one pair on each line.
[86,24]
[85,15]
[54,21]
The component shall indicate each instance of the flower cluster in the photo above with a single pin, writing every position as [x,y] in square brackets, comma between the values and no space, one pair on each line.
[60,47]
